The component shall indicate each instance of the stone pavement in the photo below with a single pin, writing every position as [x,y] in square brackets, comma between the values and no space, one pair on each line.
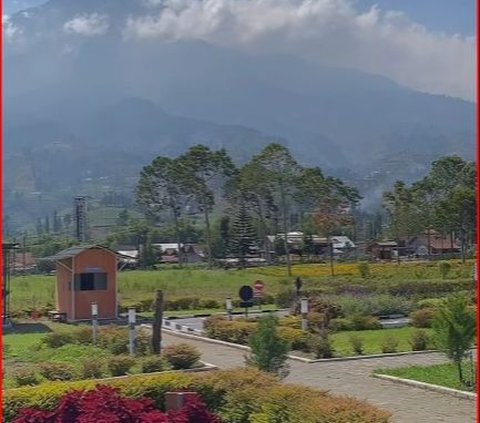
[407,404]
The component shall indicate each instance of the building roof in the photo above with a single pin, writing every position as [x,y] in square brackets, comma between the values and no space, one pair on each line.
[167,246]
[342,242]
[75,251]
[384,243]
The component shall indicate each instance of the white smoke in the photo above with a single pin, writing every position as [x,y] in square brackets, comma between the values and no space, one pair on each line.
[329,31]
[87,25]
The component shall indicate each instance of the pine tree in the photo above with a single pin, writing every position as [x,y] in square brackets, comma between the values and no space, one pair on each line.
[243,234]
[269,352]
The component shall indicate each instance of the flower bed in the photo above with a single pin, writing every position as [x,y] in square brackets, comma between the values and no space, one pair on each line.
[239,396]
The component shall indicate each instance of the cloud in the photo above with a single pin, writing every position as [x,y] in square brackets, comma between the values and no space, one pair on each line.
[10,31]
[87,25]
[387,43]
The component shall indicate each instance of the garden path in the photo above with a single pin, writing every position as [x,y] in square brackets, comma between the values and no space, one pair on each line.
[353,378]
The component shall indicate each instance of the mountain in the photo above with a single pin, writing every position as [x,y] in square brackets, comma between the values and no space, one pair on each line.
[83,101]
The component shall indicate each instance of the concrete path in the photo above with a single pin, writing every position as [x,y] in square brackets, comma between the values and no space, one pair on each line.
[408,405]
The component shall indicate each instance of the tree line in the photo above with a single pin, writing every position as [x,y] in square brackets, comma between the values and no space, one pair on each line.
[444,201]
[265,196]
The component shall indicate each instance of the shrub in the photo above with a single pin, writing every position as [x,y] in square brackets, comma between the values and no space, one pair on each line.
[217,327]
[290,321]
[209,303]
[57,371]
[455,330]
[422,318]
[389,344]
[337,325]
[143,343]
[365,323]
[285,298]
[364,269]
[357,344]
[26,377]
[419,340]
[57,339]
[153,364]
[320,345]
[181,356]
[120,365]
[444,268]
[114,339]
[182,303]
[246,394]
[296,338]
[433,303]
[104,404]
[83,335]
[268,349]
[92,368]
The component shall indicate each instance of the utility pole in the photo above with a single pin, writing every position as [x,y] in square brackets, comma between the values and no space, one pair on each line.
[24,253]
[157,323]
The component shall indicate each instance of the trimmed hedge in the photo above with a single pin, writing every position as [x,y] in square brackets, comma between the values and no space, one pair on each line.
[239,396]
[239,332]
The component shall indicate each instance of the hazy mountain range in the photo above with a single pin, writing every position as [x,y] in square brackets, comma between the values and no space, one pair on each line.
[85,107]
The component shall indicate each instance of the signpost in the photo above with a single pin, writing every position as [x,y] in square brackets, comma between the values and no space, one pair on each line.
[229,307]
[304,311]
[246,295]
[258,292]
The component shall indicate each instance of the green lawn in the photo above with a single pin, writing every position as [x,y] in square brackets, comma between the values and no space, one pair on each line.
[442,374]
[25,350]
[372,340]
[36,291]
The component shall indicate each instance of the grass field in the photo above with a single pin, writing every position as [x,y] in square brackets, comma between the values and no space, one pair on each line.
[36,292]
[372,340]
[442,374]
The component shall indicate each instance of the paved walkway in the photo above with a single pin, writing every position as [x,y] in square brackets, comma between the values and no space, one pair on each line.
[408,404]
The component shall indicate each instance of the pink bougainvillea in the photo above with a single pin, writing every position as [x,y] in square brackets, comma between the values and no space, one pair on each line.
[105,405]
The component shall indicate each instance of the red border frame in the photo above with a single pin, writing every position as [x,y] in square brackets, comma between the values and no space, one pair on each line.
[1,197]
[477,255]
[477,13]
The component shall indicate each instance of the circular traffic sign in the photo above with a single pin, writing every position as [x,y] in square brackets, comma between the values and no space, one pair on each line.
[246,293]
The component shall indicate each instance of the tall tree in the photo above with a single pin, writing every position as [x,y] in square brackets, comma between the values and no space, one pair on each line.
[402,212]
[331,216]
[225,235]
[160,189]
[281,172]
[204,170]
[250,186]
[243,234]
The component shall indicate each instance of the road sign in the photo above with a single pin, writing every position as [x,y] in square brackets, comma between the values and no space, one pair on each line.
[246,304]
[246,293]
[258,289]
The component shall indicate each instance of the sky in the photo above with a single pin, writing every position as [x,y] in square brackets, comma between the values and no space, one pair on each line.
[427,45]
[450,16]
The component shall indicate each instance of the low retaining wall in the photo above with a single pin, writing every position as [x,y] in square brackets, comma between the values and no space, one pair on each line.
[428,386]
[188,334]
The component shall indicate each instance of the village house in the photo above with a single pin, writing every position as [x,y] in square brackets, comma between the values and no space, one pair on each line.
[435,244]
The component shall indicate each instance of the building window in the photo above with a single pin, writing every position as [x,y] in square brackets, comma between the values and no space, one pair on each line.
[90,281]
